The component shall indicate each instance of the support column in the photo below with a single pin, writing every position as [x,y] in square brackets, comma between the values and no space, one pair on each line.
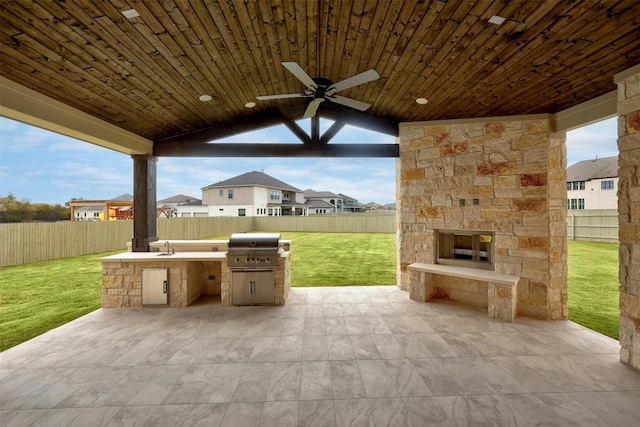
[144,202]
[629,213]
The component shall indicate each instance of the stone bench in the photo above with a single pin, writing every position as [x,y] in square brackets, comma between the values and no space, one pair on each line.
[503,288]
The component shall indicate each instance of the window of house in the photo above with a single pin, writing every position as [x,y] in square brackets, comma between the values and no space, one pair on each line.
[242,212]
[580,203]
[221,193]
[230,194]
[275,195]
[606,185]
[574,203]
[576,185]
[270,212]
[465,248]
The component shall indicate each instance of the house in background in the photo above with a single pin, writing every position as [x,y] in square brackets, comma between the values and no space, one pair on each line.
[373,207]
[593,184]
[250,194]
[168,207]
[326,202]
[323,202]
[258,194]
[118,208]
[351,204]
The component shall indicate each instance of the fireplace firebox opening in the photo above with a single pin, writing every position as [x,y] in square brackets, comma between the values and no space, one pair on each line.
[465,248]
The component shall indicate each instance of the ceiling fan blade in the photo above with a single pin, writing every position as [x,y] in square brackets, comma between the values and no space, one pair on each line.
[312,108]
[281,96]
[356,80]
[349,102]
[300,74]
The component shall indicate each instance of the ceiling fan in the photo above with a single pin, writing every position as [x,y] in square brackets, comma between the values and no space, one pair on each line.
[321,89]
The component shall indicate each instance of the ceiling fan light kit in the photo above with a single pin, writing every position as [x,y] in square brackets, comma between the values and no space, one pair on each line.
[322,89]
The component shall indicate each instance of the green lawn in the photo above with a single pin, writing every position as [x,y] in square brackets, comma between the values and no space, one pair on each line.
[342,259]
[40,296]
[594,287]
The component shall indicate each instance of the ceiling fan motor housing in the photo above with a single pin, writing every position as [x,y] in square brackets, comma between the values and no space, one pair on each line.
[323,84]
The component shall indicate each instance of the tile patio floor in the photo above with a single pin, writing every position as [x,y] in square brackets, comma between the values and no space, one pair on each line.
[331,357]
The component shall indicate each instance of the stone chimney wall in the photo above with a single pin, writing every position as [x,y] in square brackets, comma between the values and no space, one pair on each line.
[506,176]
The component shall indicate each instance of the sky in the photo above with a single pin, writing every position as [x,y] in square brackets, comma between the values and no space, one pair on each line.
[45,167]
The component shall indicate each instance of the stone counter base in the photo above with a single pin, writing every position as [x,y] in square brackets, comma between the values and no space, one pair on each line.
[187,281]
[122,283]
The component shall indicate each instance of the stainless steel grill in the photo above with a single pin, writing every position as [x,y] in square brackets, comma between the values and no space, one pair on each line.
[253,251]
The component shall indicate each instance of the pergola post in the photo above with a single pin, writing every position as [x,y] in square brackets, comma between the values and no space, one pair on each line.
[144,202]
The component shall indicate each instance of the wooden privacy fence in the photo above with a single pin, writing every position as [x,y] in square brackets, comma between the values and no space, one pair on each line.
[599,225]
[30,242]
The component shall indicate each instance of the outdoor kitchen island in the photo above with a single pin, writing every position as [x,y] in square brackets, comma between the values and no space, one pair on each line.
[176,273]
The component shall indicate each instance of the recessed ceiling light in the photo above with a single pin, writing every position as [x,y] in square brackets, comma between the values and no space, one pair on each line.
[422,101]
[498,20]
[130,13]
[205,98]
[250,104]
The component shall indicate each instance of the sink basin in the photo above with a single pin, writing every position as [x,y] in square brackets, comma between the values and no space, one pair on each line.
[166,253]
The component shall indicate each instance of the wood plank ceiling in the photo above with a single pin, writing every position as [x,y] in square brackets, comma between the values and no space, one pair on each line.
[145,74]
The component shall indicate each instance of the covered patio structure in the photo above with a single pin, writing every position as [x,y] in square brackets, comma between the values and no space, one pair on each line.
[479,95]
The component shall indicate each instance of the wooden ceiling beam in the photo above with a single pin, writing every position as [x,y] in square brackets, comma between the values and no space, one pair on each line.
[297,131]
[361,120]
[236,127]
[197,149]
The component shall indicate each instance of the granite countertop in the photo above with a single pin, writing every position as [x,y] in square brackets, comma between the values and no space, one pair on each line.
[178,256]
[158,256]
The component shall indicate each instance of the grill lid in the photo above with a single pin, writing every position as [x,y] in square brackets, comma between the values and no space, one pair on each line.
[254,241]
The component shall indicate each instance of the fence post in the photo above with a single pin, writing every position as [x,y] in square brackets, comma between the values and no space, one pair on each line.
[573,227]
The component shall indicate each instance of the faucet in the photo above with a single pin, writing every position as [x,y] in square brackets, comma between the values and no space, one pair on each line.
[173,250]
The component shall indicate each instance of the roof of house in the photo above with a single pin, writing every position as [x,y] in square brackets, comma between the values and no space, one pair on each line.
[586,170]
[179,198]
[125,196]
[347,198]
[309,194]
[318,204]
[255,178]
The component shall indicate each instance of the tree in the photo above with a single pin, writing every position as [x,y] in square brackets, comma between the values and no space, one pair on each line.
[14,210]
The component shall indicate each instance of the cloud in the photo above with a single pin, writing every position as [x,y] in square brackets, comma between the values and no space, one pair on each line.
[589,142]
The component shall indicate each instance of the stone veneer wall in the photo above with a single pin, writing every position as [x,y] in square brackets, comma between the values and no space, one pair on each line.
[629,213]
[516,169]
[122,282]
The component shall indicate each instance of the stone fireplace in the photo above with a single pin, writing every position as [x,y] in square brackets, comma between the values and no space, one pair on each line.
[500,186]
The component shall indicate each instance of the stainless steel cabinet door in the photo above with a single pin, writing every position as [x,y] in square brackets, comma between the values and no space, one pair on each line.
[252,287]
[263,288]
[241,288]
[155,286]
